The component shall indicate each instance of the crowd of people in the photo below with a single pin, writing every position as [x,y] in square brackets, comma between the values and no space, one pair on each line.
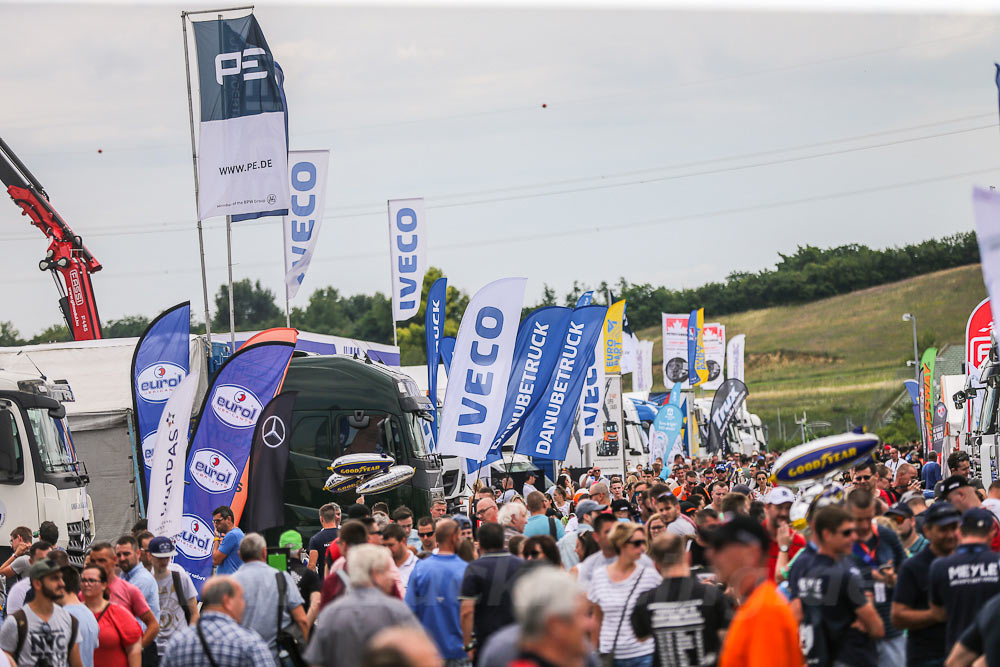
[696,562]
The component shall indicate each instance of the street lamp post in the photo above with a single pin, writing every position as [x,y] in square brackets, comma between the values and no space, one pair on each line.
[909,317]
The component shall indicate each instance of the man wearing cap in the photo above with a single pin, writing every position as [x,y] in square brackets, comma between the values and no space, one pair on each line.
[911,610]
[586,511]
[177,595]
[621,509]
[307,580]
[19,591]
[903,521]
[51,637]
[785,542]
[529,483]
[959,492]
[961,584]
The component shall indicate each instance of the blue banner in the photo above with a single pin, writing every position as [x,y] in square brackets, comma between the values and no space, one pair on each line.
[585,299]
[447,350]
[914,390]
[545,433]
[434,312]
[665,433]
[221,445]
[159,363]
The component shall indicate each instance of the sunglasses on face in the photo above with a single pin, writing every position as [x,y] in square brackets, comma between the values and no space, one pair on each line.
[847,532]
[898,519]
[637,543]
[425,535]
[862,478]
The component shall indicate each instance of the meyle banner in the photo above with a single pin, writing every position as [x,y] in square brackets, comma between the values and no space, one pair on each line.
[166,486]
[735,351]
[545,433]
[977,351]
[484,352]
[612,352]
[727,402]
[697,364]
[220,446]
[407,255]
[433,333]
[242,148]
[715,354]
[675,362]
[447,349]
[642,376]
[159,364]
[307,184]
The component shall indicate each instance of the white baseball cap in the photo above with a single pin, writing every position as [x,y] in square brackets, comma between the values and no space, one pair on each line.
[779,495]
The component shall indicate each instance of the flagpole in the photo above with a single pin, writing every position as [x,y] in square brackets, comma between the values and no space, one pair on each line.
[284,244]
[229,261]
[194,164]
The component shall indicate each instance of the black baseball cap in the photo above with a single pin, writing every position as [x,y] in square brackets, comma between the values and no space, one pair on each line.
[740,530]
[977,518]
[942,514]
[620,504]
[953,483]
[900,509]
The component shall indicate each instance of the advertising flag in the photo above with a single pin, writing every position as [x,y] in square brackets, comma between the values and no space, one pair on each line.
[433,332]
[938,426]
[665,433]
[307,184]
[585,299]
[642,376]
[220,446]
[408,255]
[243,149]
[734,357]
[447,349]
[697,365]
[726,404]
[913,388]
[986,206]
[675,361]
[714,335]
[484,352]
[612,352]
[159,364]
[977,350]
[927,394]
[589,426]
[265,507]
[166,486]
[545,433]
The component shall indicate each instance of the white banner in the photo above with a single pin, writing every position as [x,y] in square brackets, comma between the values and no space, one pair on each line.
[642,376]
[715,354]
[242,165]
[986,205]
[630,345]
[480,368]
[307,184]
[589,425]
[675,349]
[166,479]
[408,256]
[734,358]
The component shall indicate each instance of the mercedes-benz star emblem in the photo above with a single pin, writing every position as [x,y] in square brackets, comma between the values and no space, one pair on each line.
[274,431]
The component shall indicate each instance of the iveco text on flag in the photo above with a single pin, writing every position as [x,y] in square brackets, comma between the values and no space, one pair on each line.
[307,184]
[407,255]
[242,148]
[480,370]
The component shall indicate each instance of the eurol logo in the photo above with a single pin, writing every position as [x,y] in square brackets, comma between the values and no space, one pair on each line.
[213,471]
[195,538]
[148,445]
[156,382]
[236,406]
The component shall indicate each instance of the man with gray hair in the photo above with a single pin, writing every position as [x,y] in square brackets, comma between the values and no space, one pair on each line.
[345,626]
[261,583]
[230,645]
[554,619]
[513,517]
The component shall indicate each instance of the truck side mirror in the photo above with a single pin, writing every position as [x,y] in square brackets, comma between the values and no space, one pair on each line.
[58,413]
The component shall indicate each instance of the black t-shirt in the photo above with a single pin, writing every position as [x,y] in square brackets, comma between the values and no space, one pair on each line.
[962,583]
[684,617]
[488,580]
[699,555]
[319,543]
[912,589]
[831,595]
[801,563]
[307,581]
[983,636]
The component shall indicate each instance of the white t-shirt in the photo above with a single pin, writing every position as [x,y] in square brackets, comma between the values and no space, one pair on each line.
[616,599]
[682,526]
[406,568]
[171,613]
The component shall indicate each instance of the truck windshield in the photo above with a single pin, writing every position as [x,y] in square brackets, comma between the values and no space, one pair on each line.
[987,415]
[417,426]
[54,447]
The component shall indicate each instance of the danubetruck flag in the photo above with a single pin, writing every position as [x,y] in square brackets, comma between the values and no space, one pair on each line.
[484,352]
[220,446]
[545,433]
[536,352]
[242,147]
[265,506]
[927,394]
[307,183]
[434,314]
[585,299]
[727,402]
[166,480]
[407,255]
[697,365]
[447,349]
[159,363]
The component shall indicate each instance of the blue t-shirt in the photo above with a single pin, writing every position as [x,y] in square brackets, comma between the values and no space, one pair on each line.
[539,525]
[432,593]
[912,588]
[931,474]
[230,546]
[86,633]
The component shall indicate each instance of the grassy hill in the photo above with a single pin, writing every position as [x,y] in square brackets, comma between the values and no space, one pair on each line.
[843,358]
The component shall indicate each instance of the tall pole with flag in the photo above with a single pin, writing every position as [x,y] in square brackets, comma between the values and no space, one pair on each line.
[407,258]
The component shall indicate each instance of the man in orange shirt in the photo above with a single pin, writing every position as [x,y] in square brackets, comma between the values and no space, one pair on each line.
[764,632]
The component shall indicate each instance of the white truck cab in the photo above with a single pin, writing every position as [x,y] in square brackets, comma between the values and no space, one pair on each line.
[41,478]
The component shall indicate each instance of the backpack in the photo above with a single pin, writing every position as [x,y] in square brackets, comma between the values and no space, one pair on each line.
[179,592]
[22,633]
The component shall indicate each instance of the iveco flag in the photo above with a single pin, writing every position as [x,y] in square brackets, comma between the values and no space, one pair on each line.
[433,333]
[220,446]
[307,183]
[159,364]
[480,370]
[407,254]
[242,160]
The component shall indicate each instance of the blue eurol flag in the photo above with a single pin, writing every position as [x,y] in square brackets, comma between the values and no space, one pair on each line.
[159,363]
[434,313]
[242,147]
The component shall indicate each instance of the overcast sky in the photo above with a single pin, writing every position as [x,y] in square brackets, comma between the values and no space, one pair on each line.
[674,148]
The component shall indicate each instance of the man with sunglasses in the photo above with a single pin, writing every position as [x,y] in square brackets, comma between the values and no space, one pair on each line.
[864,477]
[226,547]
[425,531]
[903,521]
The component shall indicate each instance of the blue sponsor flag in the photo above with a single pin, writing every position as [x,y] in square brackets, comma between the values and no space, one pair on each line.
[665,433]
[221,445]
[585,299]
[434,312]
[447,350]
[159,363]
[545,433]
[914,390]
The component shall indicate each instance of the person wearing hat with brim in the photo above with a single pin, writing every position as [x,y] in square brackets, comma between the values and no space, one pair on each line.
[586,511]
[306,579]
[904,521]
[177,594]
[50,632]
[910,604]
[961,493]
[785,542]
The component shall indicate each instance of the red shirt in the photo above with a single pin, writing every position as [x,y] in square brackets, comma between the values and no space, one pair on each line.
[798,542]
[128,596]
[117,630]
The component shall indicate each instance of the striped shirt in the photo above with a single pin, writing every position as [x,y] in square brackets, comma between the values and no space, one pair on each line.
[612,598]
